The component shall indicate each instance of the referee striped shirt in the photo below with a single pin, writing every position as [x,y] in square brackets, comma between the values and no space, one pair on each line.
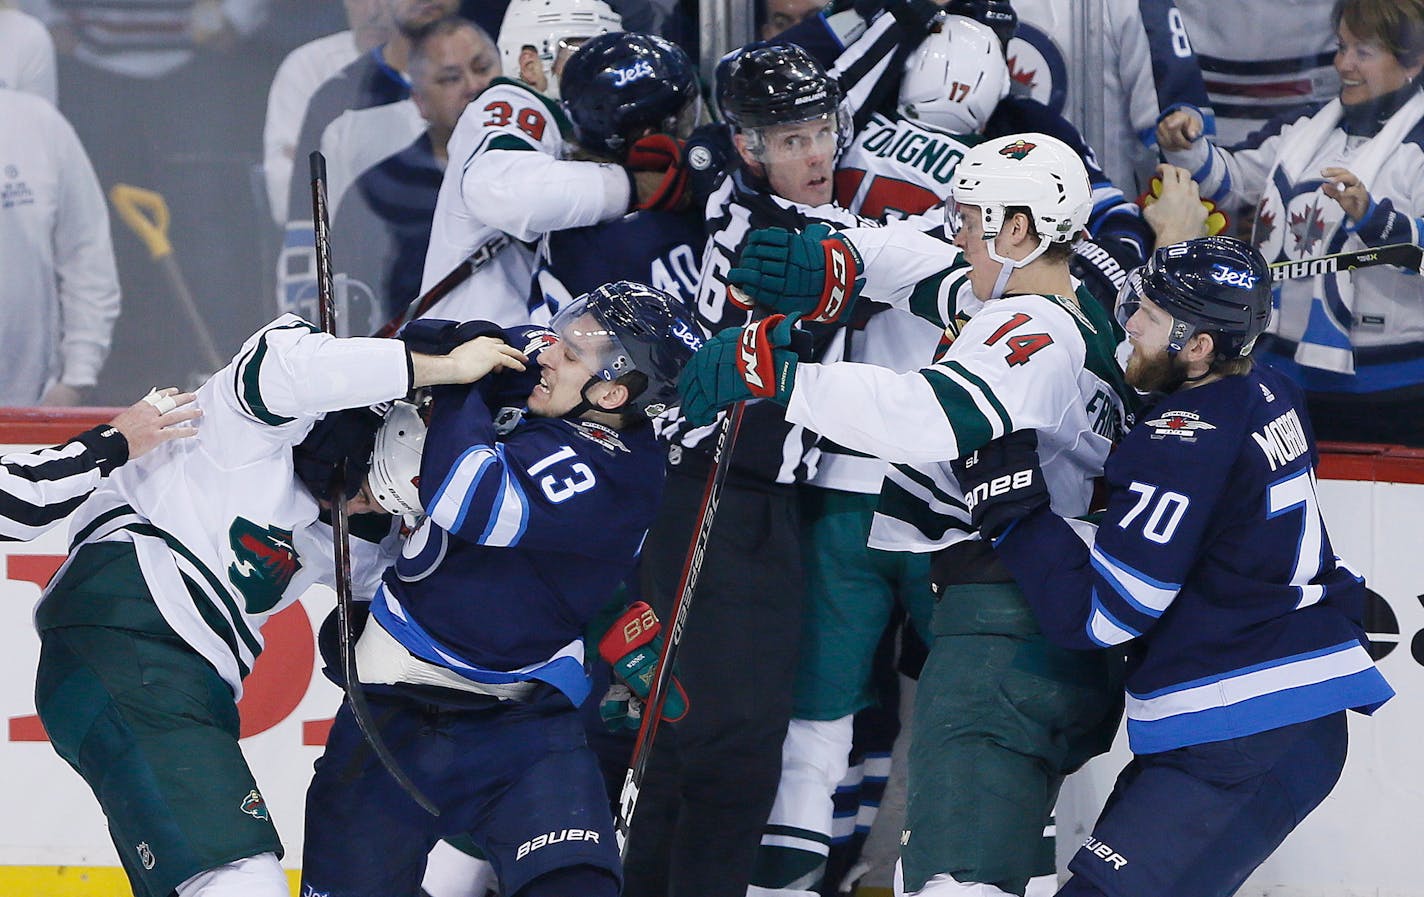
[39,489]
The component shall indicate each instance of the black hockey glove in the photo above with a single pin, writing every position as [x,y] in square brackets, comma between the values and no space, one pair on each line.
[431,336]
[341,438]
[1002,482]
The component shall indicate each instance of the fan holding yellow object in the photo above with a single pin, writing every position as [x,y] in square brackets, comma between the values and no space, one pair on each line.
[1175,187]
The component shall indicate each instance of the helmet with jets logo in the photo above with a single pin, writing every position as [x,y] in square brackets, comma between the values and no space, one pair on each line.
[550,26]
[620,84]
[955,79]
[1217,285]
[625,327]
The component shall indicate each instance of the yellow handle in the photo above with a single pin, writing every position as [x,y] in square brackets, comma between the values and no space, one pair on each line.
[146,213]
[1216,220]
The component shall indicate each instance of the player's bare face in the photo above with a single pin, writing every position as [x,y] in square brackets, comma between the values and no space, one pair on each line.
[455,67]
[800,160]
[1150,367]
[562,376]
[1367,69]
[969,236]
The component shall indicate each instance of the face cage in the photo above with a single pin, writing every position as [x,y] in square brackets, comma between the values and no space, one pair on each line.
[756,137]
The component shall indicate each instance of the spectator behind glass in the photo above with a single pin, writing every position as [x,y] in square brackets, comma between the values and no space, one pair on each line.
[59,294]
[1148,67]
[299,76]
[1251,77]
[1349,176]
[779,15]
[26,54]
[390,213]
[357,118]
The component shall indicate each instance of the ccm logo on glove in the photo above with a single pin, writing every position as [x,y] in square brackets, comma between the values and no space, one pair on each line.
[838,284]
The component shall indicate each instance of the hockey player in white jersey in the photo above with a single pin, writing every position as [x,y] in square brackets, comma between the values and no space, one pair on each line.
[1001,716]
[153,622]
[522,165]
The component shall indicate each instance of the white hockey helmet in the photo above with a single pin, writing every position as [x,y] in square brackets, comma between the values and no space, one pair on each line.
[956,77]
[544,25]
[395,461]
[1033,171]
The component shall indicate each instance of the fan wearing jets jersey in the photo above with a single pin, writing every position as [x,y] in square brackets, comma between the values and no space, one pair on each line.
[1001,715]
[180,557]
[1212,563]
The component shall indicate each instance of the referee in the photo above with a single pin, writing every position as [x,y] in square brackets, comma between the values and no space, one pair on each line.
[39,489]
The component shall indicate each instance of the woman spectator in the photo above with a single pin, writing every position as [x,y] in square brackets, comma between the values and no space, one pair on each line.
[1348,176]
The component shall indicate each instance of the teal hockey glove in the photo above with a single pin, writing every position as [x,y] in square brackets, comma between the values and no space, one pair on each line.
[631,646]
[740,363]
[1002,482]
[815,273]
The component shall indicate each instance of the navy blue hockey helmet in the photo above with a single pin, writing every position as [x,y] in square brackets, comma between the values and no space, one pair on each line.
[999,15]
[634,328]
[1217,285]
[619,84]
[771,83]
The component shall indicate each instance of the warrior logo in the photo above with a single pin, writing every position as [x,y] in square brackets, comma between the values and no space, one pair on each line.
[265,562]
[1018,150]
[145,855]
[253,805]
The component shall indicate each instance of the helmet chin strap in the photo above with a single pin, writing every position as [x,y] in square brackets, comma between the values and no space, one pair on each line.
[1008,265]
[584,404]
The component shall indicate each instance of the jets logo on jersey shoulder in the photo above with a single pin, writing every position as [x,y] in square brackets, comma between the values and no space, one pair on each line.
[1184,425]
[604,437]
[265,560]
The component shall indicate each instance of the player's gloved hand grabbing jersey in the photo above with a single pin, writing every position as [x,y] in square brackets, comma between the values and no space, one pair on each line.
[815,273]
[756,361]
[1002,482]
[631,646]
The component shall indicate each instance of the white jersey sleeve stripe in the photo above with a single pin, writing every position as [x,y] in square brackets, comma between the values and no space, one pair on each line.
[1106,631]
[452,500]
[511,515]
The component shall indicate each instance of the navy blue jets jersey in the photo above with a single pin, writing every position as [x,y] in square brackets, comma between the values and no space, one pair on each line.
[660,249]
[1213,566]
[526,538]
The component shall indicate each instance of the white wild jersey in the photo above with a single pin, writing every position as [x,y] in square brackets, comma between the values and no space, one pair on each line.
[1022,362]
[225,534]
[508,183]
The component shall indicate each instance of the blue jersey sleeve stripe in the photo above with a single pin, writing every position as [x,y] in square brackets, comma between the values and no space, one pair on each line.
[1141,592]
[452,501]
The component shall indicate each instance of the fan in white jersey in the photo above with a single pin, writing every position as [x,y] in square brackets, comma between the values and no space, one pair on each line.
[179,558]
[537,37]
[522,166]
[1001,716]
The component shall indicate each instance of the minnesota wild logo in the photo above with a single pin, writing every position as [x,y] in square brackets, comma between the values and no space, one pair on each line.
[265,560]
[1018,149]
[253,805]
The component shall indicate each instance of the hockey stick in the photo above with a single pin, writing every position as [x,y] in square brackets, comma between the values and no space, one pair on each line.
[691,568]
[1405,255]
[445,285]
[340,529]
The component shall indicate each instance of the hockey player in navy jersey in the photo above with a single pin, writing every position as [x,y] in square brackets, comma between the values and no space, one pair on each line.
[473,654]
[1212,567]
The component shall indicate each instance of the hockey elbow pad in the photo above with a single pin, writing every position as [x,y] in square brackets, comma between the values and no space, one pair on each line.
[631,646]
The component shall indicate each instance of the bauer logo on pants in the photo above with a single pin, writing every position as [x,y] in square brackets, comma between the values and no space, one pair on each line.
[568,834]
